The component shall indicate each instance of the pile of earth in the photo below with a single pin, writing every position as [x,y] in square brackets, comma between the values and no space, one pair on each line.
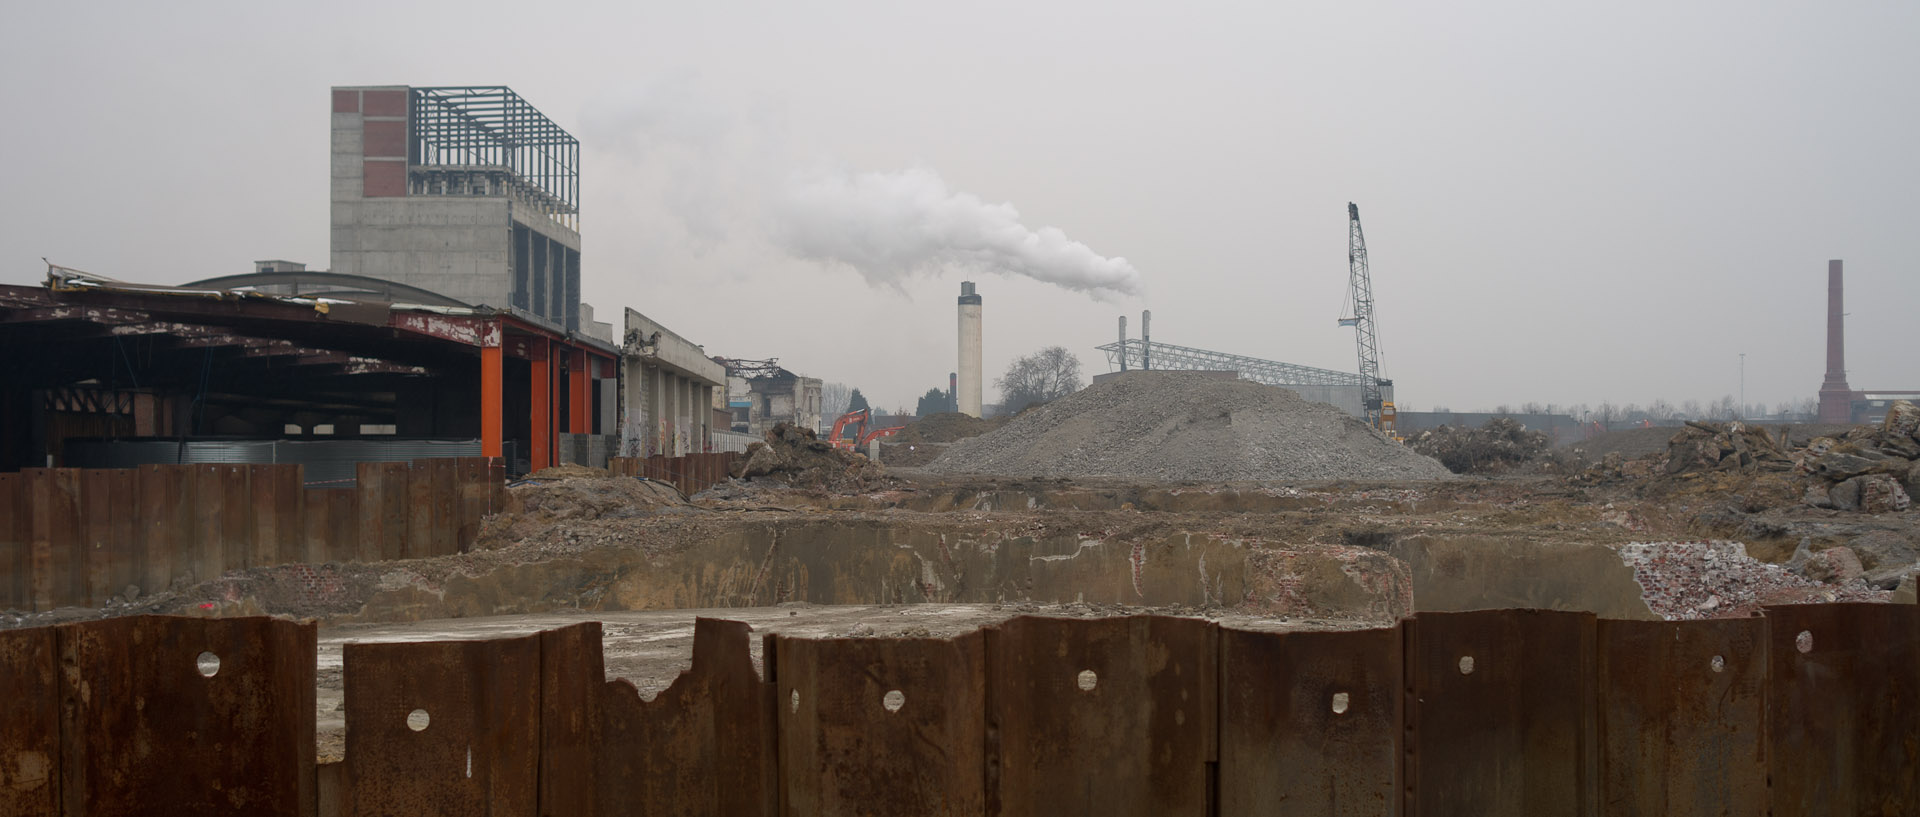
[798,457]
[1501,445]
[573,493]
[946,427]
[1187,426]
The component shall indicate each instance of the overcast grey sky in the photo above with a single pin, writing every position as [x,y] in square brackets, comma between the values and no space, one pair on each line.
[1562,205]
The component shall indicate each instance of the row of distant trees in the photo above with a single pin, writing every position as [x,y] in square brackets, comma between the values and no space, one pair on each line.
[1609,414]
[1048,374]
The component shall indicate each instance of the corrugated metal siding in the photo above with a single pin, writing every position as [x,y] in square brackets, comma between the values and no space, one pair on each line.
[329,463]
[733,441]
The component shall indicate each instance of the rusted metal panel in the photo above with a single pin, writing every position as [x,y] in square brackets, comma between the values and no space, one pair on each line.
[1500,714]
[882,726]
[16,548]
[1844,709]
[96,532]
[166,522]
[205,555]
[236,523]
[419,522]
[1682,717]
[478,750]
[381,489]
[29,724]
[1141,741]
[470,502]
[146,730]
[278,529]
[1310,723]
[442,534]
[572,671]
[55,538]
[123,551]
[705,745]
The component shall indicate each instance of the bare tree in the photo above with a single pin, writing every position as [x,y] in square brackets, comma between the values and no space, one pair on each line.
[1691,410]
[1050,373]
[1606,414]
[833,399]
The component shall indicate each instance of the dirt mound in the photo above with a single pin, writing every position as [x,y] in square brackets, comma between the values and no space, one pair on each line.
[1502,445]
[946,427]
[797,457]
[1187,426]
[540,502]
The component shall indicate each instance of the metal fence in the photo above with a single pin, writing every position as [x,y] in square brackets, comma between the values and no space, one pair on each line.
[1804,711]
[79,536]
[691,474]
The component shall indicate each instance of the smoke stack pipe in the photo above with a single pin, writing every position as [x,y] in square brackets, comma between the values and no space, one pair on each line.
[1123,343]
[1836,398]
[953,391]
[967,390]
[1146,340]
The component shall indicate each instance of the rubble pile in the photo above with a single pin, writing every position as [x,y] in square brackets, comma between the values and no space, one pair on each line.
[945,427]
[1735,446]
[569,494]
[1502,445]
[1186,426]
[1695,580]
[798,457]
[1871,470]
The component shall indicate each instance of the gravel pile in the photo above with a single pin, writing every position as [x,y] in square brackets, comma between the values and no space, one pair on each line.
[1693,580]
[1186,426]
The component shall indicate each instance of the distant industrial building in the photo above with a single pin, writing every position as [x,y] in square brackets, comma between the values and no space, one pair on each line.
[451,322]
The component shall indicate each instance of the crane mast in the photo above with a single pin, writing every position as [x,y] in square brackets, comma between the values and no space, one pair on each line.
[1360,287]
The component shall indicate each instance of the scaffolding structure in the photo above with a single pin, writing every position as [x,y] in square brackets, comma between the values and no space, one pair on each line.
[487,140]
[1134,354]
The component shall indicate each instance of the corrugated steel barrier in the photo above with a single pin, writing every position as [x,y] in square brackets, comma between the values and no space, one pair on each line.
[79,536]
[1807,710]
[691,474]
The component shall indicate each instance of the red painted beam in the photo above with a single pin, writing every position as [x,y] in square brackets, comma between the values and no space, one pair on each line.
[491,410]
[541,390]
[581,408]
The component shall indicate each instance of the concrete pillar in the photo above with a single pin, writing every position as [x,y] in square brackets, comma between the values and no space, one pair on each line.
[970,346]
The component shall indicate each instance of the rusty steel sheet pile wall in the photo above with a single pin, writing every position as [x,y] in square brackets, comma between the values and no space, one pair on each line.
[78,537]
[691,473]
[1558,713]
[158,715]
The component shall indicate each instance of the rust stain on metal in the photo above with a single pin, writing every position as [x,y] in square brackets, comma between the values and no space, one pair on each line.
[443,727]
[1140,739]
[1682,716]
[1500,714]
[187,716]
[705,745]
[1310,723]
[1844,709]
[882,726]
[572,671]
[29,724]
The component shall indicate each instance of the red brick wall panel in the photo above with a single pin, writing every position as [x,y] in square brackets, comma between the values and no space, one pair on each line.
[384,179]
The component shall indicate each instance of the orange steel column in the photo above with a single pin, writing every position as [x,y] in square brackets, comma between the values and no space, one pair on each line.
[491,411]
[541,390]
[582,412]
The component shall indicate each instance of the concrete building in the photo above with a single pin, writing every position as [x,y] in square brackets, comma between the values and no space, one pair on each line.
[668,383]
[782,397]
[468,192]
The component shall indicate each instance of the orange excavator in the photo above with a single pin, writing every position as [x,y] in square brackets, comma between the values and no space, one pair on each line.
[861,436]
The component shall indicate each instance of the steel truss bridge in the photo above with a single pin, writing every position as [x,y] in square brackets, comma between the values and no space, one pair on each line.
[1168,357]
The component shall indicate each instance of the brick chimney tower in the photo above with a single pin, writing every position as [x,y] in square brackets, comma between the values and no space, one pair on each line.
[1836,398]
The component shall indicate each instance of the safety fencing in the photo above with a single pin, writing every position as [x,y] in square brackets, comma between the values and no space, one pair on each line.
[80,536]
[691,473]
[1808,710]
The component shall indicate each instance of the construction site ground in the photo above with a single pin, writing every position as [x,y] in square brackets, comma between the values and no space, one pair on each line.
[904,552]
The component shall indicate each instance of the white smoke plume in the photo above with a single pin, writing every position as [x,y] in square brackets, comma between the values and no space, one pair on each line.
[889,226]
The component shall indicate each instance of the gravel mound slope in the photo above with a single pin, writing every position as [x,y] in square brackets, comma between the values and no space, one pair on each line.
[1186,426]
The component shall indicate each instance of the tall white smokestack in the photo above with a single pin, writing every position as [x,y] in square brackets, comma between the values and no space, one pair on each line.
[969,390]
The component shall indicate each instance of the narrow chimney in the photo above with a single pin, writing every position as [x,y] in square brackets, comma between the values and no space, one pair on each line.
[1836,398]
[1146,339]
[967,393]
[1123,343]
